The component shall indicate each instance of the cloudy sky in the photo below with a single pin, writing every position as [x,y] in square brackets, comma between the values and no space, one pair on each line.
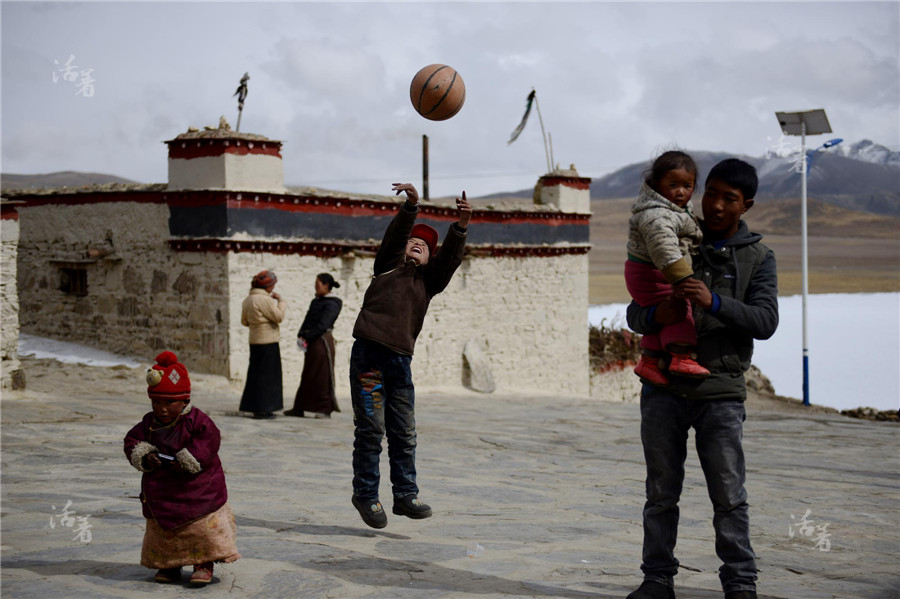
[615,83]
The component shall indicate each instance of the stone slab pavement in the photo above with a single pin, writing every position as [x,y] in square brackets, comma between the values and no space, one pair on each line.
[545,493]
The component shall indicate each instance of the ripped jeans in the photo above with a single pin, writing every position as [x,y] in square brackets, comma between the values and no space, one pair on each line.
[383,398]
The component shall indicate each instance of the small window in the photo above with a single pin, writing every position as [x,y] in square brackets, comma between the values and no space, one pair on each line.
[73,281]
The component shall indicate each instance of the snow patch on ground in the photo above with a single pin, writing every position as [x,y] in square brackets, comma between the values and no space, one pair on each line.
[71,353]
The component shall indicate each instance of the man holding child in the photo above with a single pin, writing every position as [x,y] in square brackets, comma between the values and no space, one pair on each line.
[734,291]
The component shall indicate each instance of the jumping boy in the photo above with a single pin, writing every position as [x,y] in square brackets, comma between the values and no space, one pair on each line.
[735,298]
[409,271]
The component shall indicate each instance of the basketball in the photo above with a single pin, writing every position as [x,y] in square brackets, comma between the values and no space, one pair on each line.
[437,92]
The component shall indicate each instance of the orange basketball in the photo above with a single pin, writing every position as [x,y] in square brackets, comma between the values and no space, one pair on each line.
[437,92]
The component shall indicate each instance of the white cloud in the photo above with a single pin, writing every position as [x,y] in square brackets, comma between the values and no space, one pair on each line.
[614,81]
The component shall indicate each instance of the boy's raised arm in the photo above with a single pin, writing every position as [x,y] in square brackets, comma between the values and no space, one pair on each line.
[465,211]
[393,245]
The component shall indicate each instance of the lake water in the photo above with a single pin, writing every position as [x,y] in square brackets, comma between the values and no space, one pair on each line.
[854,348]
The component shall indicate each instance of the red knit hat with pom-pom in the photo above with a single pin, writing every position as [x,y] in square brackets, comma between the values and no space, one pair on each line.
[168,378]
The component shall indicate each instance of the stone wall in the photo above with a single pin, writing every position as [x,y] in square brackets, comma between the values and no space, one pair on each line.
[11,375]
[529,314]
[141,296]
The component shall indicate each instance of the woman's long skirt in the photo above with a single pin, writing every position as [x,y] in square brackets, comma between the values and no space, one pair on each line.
[316,391]
[263,392]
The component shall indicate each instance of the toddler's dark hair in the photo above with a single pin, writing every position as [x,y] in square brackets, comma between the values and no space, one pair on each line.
[669,161]
[327,279]
[736,173]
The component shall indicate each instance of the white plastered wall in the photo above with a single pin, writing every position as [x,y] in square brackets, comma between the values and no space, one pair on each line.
[531,312]
[250,172]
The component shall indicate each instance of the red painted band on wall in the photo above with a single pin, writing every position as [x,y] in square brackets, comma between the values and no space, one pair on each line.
[202,148]
[581,183]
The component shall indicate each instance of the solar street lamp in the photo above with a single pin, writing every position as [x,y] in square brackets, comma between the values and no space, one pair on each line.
[809,122]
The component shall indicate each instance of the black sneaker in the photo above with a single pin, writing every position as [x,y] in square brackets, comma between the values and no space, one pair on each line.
[411,507]
[650,589]
[297,413]
[371,511]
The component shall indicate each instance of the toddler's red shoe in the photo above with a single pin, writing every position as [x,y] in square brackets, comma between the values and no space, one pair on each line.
[685,365]
[648,369]
[202,573]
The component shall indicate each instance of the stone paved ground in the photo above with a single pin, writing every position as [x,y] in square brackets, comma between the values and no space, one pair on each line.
[551,488]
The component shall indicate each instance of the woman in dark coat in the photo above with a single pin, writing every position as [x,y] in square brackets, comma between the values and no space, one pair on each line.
[316,392]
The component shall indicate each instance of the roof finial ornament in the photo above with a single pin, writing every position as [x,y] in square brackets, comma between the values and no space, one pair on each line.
[241,93]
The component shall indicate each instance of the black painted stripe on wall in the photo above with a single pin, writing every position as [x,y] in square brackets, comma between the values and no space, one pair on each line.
[198,221]
[219,221]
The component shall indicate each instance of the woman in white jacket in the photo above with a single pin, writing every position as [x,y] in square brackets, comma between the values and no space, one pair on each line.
[262,311]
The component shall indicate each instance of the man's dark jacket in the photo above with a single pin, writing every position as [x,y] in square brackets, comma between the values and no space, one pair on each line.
[743,275]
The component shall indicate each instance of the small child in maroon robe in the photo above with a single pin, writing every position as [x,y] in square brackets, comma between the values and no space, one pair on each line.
[183,494]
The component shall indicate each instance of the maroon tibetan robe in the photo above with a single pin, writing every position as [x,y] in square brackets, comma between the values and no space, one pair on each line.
[170,495]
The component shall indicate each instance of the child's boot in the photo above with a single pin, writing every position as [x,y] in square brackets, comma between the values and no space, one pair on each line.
[202,573]
[685,365]
[648,369]
[168,575]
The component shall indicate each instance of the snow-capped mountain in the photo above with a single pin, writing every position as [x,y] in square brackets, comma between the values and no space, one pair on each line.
[861,176]
[867,151]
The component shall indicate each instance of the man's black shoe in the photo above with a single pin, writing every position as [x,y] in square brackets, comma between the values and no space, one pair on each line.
[740,595]
[411,507]
[371,511]
[650,589]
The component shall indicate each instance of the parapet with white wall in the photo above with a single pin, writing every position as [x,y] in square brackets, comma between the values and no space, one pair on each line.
[224,159]
[565,189]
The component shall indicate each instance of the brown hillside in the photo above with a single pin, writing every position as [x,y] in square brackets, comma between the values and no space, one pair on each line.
[849,252]
[782,217]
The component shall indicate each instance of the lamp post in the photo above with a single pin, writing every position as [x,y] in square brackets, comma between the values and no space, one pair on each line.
[809,122]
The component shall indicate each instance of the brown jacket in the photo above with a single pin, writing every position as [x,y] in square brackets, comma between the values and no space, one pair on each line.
[262,314]
[397,299]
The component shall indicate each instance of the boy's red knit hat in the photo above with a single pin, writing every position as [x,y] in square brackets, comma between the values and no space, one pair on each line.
[168,378]
[426,234]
